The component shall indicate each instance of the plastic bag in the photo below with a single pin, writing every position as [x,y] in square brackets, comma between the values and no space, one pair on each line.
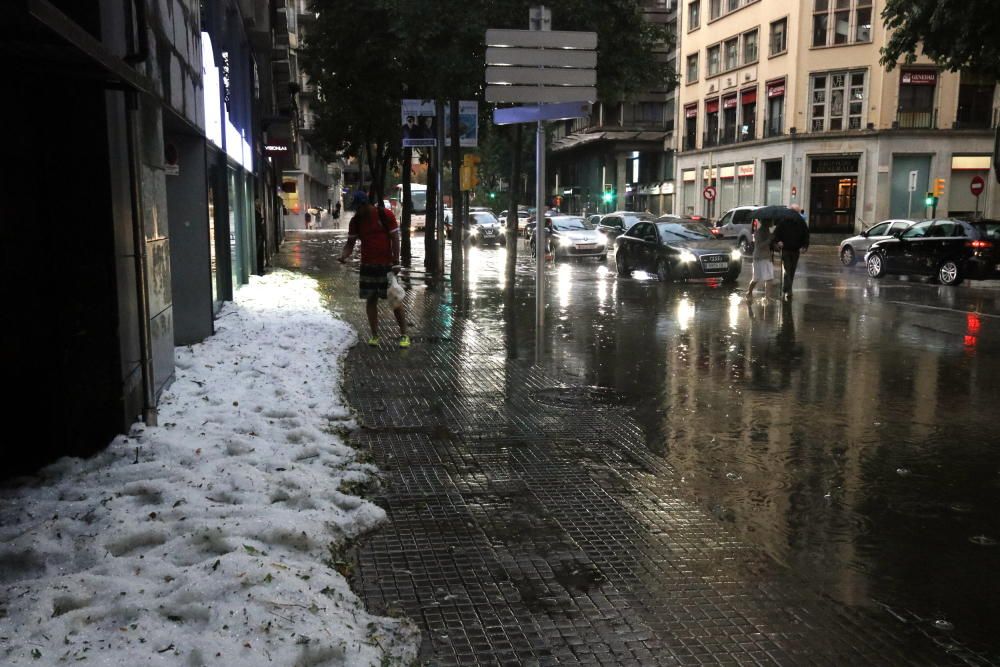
[395,294]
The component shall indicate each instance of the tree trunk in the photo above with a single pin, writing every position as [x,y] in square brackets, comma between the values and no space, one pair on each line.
[430,224]
[457,214]
[407,207]
[512,218]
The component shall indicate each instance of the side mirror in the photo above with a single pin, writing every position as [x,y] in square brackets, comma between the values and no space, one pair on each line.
[898,235]
[864,233]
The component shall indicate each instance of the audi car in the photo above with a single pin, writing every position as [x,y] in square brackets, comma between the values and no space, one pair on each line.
[676,250]
[947,250]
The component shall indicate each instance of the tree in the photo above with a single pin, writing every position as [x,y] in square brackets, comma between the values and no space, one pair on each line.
[956,34]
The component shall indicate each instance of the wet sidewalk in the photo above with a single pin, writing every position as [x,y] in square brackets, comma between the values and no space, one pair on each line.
[530,523]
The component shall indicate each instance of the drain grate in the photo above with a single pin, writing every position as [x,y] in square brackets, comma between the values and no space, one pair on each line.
[579,397]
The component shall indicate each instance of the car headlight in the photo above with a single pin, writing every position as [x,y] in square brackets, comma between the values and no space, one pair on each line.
[565,242]
[602,239]
[474,231]
[687,256]
[736,254]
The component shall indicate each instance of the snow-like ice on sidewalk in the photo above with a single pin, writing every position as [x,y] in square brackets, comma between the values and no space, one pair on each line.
[214,538]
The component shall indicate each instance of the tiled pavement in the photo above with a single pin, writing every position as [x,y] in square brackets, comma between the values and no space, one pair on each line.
[530,525]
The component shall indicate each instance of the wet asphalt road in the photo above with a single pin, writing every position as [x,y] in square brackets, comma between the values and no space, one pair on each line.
[850,437]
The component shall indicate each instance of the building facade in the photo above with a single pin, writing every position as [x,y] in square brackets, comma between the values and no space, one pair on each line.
[786,103]
[144,118]
[311,183]
[624,147]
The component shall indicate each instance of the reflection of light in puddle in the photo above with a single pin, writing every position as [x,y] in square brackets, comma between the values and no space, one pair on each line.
[734,310]
[642,275]
[476,264]
[685,313]
[602,286]
[564,282]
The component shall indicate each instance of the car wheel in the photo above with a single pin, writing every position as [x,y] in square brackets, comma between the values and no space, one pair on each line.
[847,256]
[733,274]
[662,270]
[949,273]
[745,245]
[876,265]
[620,265]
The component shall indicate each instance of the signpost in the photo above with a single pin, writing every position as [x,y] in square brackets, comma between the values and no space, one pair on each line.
[912,188]
[976,187]
[554,71]
[708,193]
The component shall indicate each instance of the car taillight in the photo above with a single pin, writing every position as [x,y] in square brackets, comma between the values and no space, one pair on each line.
[979,244]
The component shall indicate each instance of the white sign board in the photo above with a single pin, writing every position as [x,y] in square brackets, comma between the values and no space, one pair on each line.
[913,181]
[540,94]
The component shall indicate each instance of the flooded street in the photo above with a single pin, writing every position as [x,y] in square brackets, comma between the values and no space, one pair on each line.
[850,435]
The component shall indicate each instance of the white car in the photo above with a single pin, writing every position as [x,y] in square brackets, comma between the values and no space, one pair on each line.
[856,246]
[572,236]
[737,224]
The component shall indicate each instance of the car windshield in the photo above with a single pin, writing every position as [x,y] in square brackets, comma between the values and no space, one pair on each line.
[482,218]
[571,224]
[683,231]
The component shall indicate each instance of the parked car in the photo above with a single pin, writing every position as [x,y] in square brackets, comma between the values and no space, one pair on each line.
[737,225]
[572,236]
[948,250]
[857,246]
[595,219]
[484,228]
[677,250]
[615,224]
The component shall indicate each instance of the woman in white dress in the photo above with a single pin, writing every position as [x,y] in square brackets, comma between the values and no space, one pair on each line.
[763,266]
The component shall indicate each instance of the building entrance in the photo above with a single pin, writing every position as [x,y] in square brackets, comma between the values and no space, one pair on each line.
[833,194]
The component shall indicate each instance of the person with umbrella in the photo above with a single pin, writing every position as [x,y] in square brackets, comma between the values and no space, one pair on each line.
[791,238]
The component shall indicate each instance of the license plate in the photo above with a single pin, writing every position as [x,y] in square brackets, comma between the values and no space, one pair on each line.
[489,233]
[715,266]
[586,246]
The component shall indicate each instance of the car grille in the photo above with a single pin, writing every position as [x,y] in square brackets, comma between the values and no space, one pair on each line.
[713,263]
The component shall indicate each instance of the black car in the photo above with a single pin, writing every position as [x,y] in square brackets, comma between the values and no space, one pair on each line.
[948,250]
[676,250]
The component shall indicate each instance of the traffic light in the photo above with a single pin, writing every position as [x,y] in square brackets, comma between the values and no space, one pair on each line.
[930,200]
[939,188]
[609,193]
[493,195]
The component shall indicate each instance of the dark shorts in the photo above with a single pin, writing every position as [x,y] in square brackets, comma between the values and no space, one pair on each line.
[374,281]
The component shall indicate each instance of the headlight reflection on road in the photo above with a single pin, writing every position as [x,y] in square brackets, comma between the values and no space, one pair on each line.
[685,313]
[602,286]
[564,283]
[735,303]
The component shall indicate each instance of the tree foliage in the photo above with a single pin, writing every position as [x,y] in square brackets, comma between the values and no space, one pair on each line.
[956,34]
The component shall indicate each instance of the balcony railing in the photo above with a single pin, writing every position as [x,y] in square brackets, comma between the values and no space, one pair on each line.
[750,134]
[728,136]
[709,139]
[916,120]
[773,129]
[690,143]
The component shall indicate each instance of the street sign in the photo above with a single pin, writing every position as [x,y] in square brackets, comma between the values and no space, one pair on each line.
[549,39]
[540,94]
[708,193]
[564,111]
[913,180]
[554,57]
[534,76]
[977,186]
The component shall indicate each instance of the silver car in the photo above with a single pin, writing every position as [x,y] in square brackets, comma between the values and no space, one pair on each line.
[856,246]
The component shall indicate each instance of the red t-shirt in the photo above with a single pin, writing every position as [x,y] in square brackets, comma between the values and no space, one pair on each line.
[376,238]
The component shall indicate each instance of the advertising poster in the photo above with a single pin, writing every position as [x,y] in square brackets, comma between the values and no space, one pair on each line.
[419,126]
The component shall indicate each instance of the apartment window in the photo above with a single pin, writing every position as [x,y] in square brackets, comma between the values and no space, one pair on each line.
[916,98]
[839,22]
[694,14]
[732,5]
[779,37]
[713,59]
[711,123]
[975,100]
[775,108]
[748,114]
[692,67]
[750,47]
[732,54]
[690,127]
[837,100]
[714,9]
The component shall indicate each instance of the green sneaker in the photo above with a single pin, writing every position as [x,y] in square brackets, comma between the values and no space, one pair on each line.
[404,342]
[373,341]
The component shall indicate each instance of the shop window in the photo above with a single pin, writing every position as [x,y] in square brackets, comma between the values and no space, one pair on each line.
[916,99]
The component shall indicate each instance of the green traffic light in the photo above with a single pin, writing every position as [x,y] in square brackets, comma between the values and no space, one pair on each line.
[607,197]
[493,195]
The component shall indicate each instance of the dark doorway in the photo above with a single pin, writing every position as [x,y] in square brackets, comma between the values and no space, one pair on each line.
[832,203]
[59,352]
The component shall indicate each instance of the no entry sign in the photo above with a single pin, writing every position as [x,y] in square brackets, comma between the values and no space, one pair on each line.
[708,193]
[977,186]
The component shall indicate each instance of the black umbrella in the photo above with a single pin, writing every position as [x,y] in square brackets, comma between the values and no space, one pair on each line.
[776,214]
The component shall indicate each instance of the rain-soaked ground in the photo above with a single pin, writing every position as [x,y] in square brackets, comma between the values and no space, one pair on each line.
[681,478]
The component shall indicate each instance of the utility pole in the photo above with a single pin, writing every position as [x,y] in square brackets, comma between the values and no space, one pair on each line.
[439,154]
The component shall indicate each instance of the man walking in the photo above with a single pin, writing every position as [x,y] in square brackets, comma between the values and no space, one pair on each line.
[378,232]
[791,238]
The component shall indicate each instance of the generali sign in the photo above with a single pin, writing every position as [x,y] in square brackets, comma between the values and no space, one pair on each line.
[921,77]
